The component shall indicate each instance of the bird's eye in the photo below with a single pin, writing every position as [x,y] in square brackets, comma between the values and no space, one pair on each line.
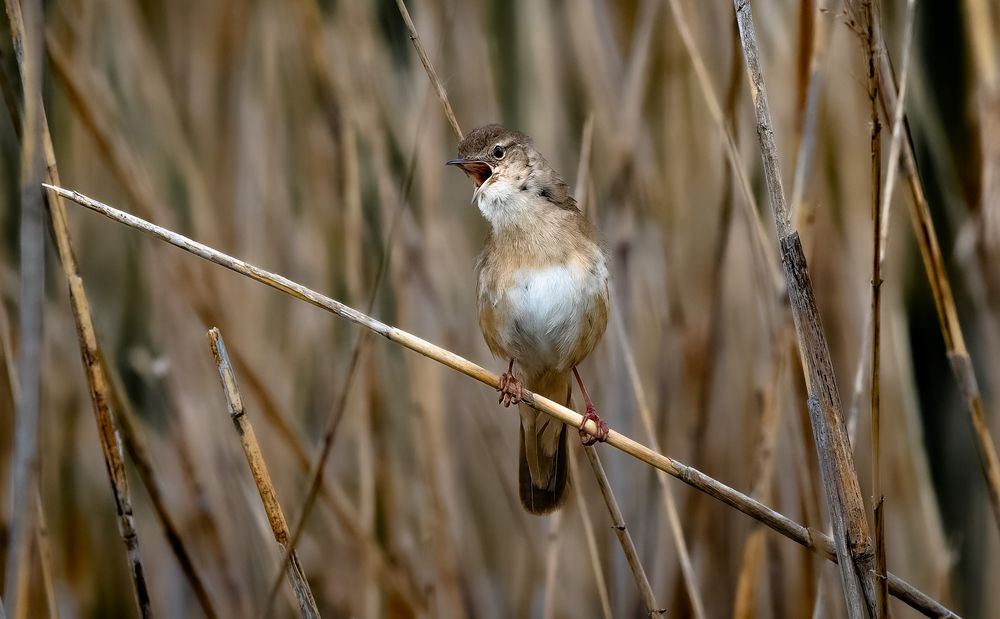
[498,152]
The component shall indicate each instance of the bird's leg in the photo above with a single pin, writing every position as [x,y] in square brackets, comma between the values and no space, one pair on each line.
[590,415]
[510,387]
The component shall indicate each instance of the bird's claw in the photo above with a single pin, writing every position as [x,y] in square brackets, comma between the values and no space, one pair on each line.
[600,435]
[509,389]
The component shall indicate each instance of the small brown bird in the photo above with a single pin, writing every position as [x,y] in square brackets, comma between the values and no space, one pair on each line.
[543,296]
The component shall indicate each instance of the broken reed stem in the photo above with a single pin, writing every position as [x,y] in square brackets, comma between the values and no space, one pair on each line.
[143,464]
[669,505]
[431,73]
[847,511]
[624,537]
[89,350]
[258,468]
[878,495]
[817,542]
[944,300]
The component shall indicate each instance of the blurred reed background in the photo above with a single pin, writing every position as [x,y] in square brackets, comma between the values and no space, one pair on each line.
[305,137]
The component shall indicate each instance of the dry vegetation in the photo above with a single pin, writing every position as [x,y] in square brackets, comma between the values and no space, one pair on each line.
[306,138]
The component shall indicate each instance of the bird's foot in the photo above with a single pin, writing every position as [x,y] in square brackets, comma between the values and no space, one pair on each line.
[600,435]
[510,389]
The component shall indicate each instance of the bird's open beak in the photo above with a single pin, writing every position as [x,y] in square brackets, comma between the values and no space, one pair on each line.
[478,171]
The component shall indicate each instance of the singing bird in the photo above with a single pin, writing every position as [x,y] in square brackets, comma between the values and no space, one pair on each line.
[542,296]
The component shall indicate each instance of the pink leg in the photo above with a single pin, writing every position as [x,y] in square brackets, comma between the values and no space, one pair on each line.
[590,415]
[510,387]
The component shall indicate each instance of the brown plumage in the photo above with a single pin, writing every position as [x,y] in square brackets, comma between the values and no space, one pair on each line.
[542,294]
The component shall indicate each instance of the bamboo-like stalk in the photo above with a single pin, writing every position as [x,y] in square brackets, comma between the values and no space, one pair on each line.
[815,541]
[854,545]
[258,468]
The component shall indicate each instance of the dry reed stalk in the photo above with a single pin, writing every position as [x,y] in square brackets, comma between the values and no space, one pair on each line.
[624,537]
[258,468]
[944,300]
[813,540]
[31,297]
[669,504]
[89,349]
[871,44]
[137,451]
[847,511]
[592,552]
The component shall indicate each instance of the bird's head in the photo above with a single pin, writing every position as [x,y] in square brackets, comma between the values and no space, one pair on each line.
[508,173]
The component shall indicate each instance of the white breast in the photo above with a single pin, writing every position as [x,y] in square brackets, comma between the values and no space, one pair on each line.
[548,309]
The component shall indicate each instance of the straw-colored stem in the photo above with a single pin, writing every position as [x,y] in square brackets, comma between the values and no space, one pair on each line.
[878,498]
[261,477]
[815,541]
[854,545]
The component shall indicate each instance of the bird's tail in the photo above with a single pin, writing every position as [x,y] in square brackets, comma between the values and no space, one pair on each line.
[544,470]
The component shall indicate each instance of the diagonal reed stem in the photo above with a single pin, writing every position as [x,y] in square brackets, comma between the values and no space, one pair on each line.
[819,543]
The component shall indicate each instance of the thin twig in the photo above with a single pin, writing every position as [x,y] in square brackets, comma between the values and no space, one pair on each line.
[854,546]
[258,468]
[431,73]
[624,537]
[815,541]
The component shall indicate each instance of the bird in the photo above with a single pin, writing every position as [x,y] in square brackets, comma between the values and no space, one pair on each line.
[542,296]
